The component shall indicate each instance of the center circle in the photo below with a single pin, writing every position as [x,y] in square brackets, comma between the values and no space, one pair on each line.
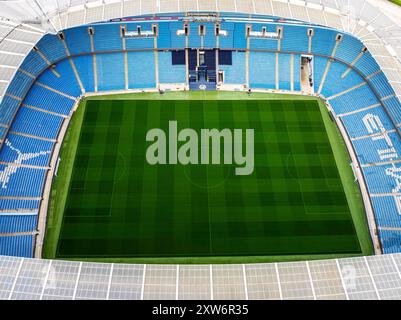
[207,185]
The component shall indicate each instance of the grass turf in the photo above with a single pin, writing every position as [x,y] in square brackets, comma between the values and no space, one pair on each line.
[398,2]
[118,206]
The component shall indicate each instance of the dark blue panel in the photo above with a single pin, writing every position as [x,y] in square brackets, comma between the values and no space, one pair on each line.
[226,57]
[210,59]
[193,59]
[178,57]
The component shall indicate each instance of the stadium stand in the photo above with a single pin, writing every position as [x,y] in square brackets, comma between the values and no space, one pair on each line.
[52,48]
[141,43]
[20,181]
[391,240]
[9,107]
[393,107]
[85,70]
[110,71]
[369,149]
[323,41]
[77,40]
[356,126]
[284,71]
[239,40]
[45,89]
[3,130]
[295,39]
[21,149]
[168,72]
[358,98]
[168,37]
[297,72]
[262,70]
[227,42]
[367,65]
[18,204]
[380,83]
[319,67]
[209,39]
[335,82]
[235,73]
[349,49]
[194,40]
[36,123]
[141,75]
[107,37]
[380,179]
[20,84]
[59,79]
[20,246]
[45,99]
[18,222]
[33,63]
[258,43]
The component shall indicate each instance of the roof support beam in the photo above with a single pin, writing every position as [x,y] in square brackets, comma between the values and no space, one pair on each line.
[45,14]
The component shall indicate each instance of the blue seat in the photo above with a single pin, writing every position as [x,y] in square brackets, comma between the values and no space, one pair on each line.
[21,181]
[37,123]
[262,70]
[21,246]
[15,144]
[18,222]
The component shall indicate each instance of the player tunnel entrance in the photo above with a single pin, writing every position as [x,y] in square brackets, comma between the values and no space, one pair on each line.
[307,75]
[202,69]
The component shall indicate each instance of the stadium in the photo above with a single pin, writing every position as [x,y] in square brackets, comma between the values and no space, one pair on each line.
[209,149]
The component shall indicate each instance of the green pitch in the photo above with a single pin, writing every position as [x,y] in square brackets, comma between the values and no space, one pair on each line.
[119,206]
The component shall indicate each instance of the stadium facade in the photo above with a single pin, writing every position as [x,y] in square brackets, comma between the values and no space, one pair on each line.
[53,55]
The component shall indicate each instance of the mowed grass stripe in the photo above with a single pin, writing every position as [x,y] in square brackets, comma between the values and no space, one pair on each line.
[165,207]
[215,181]
[127,184]
[255,122]
[196,181]
[183,224]
[236,198]
[107,171]
[147,231]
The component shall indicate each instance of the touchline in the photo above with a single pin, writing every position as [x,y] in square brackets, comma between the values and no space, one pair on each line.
[210,143]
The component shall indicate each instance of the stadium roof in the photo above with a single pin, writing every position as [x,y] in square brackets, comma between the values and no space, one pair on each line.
[373,278]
